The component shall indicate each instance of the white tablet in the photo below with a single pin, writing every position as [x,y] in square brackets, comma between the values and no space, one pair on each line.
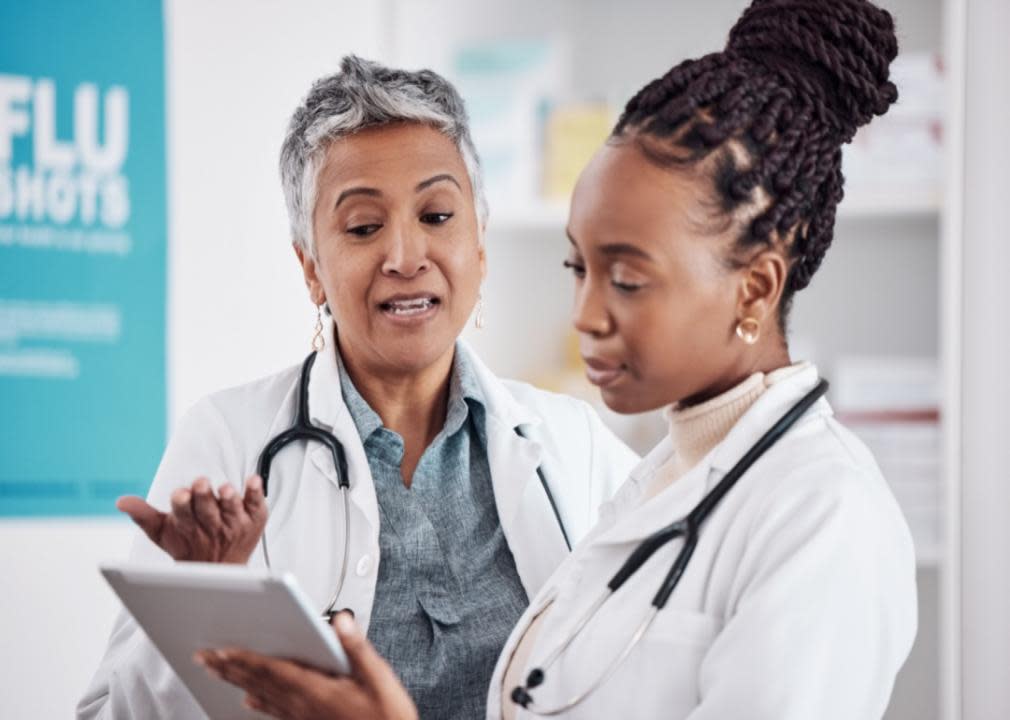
[194,606]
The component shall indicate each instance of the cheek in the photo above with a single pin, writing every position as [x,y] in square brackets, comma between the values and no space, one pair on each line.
[676,334]
[462,268]
[346,282]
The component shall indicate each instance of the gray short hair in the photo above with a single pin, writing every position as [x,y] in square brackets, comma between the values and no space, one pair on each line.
[366,94]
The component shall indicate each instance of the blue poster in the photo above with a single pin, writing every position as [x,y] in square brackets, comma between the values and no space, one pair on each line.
[82,253]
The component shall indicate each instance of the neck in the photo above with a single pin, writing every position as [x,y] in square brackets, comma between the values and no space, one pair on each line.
[412,403]
[765,358]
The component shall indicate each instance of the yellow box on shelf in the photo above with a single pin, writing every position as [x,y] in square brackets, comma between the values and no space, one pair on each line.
[572,133]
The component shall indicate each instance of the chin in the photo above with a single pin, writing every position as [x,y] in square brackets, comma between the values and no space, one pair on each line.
[629,403]
[412,354]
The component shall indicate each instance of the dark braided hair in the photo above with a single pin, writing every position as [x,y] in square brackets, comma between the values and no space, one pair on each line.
[768,116]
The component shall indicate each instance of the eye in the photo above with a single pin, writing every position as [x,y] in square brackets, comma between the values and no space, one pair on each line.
[625,280]
[627,288]
[364,230]
[435,218]
[577,269]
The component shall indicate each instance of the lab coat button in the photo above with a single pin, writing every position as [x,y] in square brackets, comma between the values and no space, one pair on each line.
[364,565]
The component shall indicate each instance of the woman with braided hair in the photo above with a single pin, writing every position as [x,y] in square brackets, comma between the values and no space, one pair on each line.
[710,206]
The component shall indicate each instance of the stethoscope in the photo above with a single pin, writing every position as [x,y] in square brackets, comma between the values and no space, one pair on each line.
[687,528]
[303,429]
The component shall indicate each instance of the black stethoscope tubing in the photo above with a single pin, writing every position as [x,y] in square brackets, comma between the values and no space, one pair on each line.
[688,528]
[303,429]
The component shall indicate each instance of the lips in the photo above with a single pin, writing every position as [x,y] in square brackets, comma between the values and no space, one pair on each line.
[408,306]
[603,373]
[410,311]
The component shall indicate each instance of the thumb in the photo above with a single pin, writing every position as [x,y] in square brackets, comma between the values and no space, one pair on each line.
[148,518]
[366,664]
[254,500]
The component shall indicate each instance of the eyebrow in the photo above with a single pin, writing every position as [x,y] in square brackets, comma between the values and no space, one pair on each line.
[434,179]
[371,192]
[374,192]
[616,249]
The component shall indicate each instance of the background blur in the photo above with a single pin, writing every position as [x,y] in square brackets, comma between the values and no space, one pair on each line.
[901,316]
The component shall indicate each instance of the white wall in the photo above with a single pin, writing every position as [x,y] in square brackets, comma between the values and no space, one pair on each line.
[985,346]
[236,71]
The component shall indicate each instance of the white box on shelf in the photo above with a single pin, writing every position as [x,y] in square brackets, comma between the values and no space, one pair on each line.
[886,386]
[891,404]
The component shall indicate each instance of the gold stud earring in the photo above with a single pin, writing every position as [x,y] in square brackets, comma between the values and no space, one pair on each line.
[478,321]
[748,330]
[318,341]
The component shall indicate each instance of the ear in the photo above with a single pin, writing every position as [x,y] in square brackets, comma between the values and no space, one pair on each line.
[761,287]
[312,281]
[482,254]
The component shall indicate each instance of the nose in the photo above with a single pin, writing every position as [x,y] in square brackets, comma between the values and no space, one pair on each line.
[406,254]
[590,315]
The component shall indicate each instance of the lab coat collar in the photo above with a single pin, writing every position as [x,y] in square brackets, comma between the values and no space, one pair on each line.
[525,514]
[637,520]
[499,401]
[765,412]
[326,403]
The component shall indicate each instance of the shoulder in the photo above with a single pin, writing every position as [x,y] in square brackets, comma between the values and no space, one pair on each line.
[241,412]
[822,477]
[821,457]
[549,406]
[823,526]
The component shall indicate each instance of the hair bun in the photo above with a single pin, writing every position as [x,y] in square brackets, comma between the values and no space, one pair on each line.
[840,51]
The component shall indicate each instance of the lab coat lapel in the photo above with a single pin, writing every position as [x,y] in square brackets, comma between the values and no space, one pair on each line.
[637,519]
[524,510]
[527,518]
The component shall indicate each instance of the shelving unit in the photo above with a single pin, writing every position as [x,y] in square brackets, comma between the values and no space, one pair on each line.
[860,202]
[881,291]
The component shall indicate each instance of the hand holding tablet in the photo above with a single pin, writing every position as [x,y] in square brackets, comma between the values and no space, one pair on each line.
[286,689]
[190,607]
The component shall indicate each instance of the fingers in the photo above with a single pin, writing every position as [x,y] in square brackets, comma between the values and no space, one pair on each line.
[205,507]
[286,689]
[182,510]
[148,518]
[366,664]
[264,706]
[257,674]
[232,510]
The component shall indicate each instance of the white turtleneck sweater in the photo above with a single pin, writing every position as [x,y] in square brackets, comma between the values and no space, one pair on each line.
[695,431]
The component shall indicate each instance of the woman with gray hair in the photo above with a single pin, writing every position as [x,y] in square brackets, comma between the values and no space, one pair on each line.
[461,492]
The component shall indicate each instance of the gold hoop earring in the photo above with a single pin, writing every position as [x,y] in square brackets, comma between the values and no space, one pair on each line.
[318,341]
[748,330]
[478,321]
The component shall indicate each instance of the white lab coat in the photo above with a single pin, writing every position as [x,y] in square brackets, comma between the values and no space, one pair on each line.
[222,436]
[799,602]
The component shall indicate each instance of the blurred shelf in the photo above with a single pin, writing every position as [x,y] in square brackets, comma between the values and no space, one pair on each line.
[861,201]
[536,216]
[866,200]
